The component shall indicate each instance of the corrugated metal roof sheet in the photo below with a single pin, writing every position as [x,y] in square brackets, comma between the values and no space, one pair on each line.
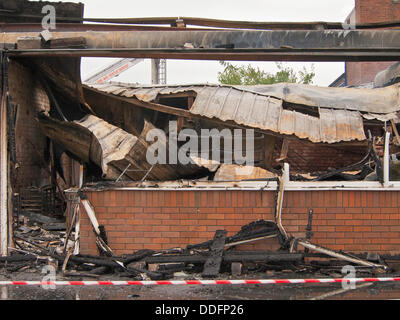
[376,100]
[256,110]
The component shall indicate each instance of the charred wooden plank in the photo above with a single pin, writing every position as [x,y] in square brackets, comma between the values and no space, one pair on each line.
[255,229]
[262,256]
[18,258]
[213,263]
[139,255]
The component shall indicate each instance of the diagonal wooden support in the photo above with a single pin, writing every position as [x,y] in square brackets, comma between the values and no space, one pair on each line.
[96,228]
[213,263]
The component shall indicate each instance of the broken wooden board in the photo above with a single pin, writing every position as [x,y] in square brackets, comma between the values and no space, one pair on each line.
[233,172]
[213,263]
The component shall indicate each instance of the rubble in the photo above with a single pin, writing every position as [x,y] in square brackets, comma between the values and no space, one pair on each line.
[36,246]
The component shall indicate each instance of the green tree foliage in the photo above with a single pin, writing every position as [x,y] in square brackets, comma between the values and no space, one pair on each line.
[248,75]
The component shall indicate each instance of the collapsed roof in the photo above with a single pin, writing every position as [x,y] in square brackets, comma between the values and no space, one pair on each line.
[319,114]
[335,117]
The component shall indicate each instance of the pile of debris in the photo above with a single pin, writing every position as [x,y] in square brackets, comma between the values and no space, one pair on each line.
[36,247]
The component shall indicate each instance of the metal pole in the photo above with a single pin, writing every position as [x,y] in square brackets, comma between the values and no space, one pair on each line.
[386,160]
[331,253]
[155,69]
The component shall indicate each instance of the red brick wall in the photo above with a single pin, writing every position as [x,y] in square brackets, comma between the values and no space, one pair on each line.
[356,221]
[370,11]
[364,72]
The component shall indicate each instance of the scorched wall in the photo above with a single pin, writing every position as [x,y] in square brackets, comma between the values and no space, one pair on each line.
[355,221]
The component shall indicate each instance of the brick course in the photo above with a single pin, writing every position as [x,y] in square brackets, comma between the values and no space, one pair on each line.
[355,221]
[371,11]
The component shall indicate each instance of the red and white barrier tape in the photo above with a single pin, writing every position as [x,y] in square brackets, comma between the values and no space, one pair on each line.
[193,282]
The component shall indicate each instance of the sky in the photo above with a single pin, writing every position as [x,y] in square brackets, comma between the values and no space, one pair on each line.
[193,71]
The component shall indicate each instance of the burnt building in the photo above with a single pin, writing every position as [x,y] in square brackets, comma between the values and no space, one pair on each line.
[332,150]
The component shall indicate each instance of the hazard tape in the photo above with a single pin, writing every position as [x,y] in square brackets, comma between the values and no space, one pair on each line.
[193,282]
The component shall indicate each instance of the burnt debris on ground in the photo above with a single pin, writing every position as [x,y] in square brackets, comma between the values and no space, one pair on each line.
[36,247]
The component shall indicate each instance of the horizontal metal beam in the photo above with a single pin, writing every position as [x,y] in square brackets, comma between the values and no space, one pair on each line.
[216,23]
[294,45]
[203,54]
[79,27]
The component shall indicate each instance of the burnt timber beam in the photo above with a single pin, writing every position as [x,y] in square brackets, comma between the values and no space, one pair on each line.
[293,45]
[243,256]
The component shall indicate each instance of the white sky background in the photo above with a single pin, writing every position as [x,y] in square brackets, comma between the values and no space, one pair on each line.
[193,71]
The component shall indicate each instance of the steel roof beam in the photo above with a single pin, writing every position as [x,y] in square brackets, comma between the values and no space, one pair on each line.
[294,45]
